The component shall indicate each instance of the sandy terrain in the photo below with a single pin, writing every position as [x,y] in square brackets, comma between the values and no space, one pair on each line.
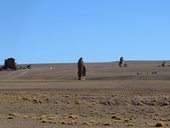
[137,96]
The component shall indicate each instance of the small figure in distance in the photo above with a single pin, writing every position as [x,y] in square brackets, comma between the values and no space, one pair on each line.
[81,69]
[163,64]
[122,63]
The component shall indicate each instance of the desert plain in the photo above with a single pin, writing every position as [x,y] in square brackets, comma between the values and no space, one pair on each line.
[50,96]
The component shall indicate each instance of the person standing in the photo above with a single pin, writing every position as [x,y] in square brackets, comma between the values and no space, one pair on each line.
[81,69]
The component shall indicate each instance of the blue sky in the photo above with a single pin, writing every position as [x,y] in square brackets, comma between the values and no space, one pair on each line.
[50,31]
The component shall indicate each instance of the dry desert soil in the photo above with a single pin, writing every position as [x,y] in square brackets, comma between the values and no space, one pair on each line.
[50,96]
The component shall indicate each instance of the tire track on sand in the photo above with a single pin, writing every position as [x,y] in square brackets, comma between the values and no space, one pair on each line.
[19,75]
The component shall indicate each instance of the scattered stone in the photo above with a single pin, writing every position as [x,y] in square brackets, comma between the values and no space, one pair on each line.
[10,117]
[86,123]
[159,124]
[77,102]
[116,118]
[36,101]
[104,102]
[50,121]
[137,103]
[107,124]
[71,116]
[72,123]
[165,104]
[12,114]
[166,98]
[44,121]
[114,101]
[26,99]
[127,121]
[47,100]
[63,122]
[130,124]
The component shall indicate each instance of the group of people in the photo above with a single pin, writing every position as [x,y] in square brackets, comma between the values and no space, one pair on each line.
[82,68]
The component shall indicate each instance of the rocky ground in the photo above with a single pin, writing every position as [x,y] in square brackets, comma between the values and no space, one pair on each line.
[83,108]
[136,97]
